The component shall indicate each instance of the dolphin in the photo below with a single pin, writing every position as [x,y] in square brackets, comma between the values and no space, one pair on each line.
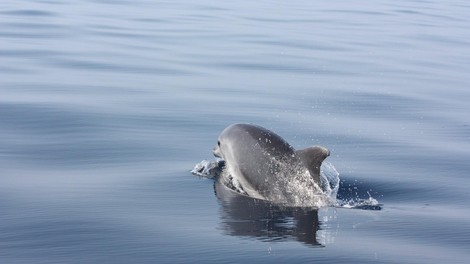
[262,165]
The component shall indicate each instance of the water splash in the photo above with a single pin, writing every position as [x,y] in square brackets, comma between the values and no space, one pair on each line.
[330,185]
[208,168]
[358,203]
[319,196]
[330,182]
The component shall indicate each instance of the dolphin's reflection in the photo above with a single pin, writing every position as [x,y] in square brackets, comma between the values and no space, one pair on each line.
[248,217]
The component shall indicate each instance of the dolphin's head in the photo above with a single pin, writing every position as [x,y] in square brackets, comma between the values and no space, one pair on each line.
[223,143]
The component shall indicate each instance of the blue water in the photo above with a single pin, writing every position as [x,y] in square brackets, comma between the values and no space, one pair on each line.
[105,107]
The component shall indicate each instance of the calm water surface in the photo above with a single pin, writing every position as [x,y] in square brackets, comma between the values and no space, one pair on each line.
[105,106]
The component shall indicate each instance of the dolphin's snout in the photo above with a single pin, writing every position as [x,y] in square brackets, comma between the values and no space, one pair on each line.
[326,152]
[216,151]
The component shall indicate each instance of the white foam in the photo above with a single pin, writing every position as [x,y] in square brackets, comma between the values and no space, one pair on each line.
[207,169]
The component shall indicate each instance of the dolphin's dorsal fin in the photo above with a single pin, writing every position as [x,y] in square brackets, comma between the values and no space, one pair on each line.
[312,158]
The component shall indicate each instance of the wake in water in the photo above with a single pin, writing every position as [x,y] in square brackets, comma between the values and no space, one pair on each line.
[329,189]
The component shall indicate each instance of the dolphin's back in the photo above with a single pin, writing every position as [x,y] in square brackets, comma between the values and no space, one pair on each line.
[267,140]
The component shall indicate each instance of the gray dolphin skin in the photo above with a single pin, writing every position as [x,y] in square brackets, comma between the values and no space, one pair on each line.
[265,166]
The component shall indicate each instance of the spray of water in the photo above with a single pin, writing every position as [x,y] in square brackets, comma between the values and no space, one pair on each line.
[305,192]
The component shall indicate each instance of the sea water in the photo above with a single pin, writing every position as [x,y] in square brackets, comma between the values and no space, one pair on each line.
[105,106]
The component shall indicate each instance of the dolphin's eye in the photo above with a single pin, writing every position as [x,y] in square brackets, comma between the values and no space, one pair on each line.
[218,143]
